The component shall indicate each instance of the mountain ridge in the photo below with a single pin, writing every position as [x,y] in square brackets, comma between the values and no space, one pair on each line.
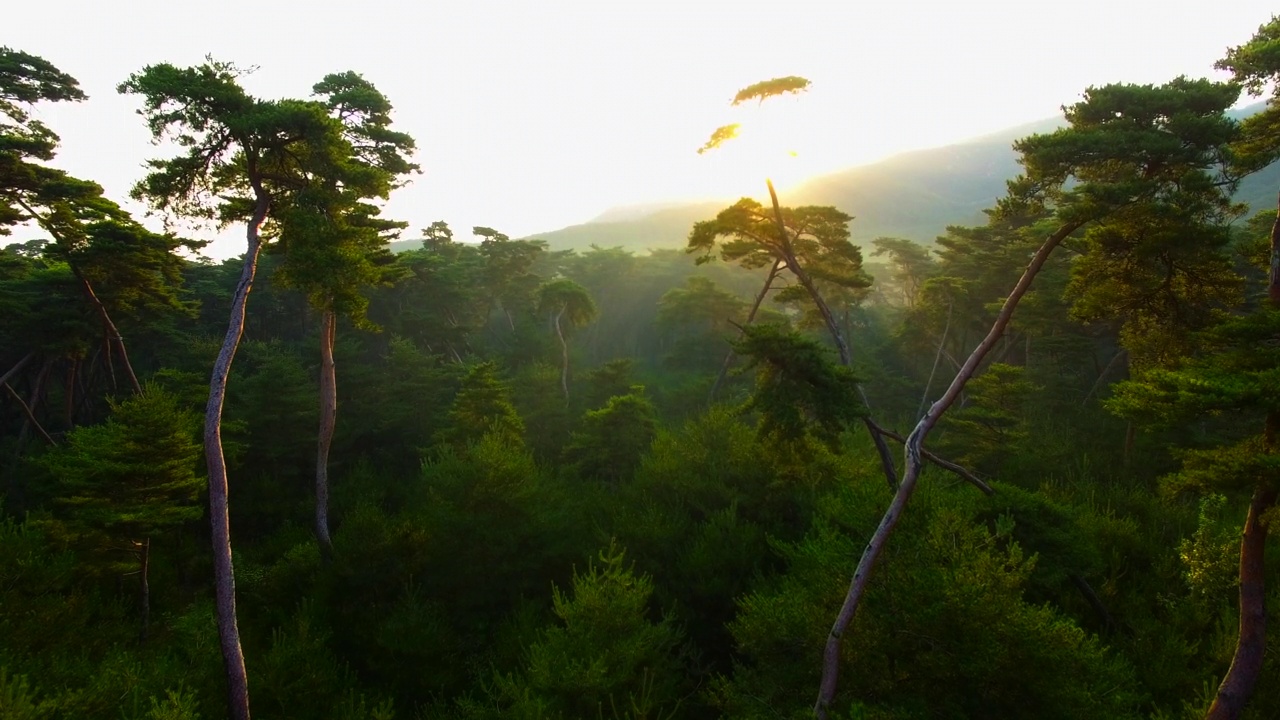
[913,195]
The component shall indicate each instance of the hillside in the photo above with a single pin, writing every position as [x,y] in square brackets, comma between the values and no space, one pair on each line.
[915,195]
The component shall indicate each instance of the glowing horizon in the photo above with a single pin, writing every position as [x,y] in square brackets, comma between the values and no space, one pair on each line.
[532,117]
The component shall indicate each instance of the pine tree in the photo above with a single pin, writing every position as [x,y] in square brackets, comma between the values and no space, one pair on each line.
[121,483]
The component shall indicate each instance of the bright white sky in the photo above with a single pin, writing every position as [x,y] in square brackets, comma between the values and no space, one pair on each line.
[530,116]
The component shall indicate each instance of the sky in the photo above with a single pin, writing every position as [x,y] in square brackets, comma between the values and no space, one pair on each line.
[531,116]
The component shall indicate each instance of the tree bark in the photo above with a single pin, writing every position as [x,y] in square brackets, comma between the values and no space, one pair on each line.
[328,419]
[219,514]
[911,472]
[564,356]
[959,470]
[751,316]
[1246,665]
[829,318]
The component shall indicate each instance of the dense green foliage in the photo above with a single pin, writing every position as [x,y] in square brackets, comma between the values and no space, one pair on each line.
[511,543]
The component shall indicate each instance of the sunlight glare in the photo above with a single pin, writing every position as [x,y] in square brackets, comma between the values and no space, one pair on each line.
[771,143]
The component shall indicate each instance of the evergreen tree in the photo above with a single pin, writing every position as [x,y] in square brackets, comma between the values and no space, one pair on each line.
[123,482]
[567,305]
[482,406]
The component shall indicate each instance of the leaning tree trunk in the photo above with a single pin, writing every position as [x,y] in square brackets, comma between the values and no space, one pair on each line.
[751,316]
[911,472]
[113,333]
[30,416]
[223,572]
[937,358]
[564,355]
[13,371]
[829,318]
[328,419]
[1246,665]
[1237,686]
[109,327]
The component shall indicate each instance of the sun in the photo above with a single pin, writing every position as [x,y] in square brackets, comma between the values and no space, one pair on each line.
[770,141]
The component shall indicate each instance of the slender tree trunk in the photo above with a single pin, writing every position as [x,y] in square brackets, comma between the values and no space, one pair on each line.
[113,333]
[144,567]
[829,318]
[109,327]
[937,357]
[33,400]
[106,354]
[564,356]
[328,419]
[751,316]
[219,515]
[88,376]
[17,367]
[26,411]
[1091,597]
[85,382]
[1246,665]
[911,472]
[1102,375]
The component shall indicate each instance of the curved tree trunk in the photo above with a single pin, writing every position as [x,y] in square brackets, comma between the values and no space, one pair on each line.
[911,473]
[751,316]
[1246,665]
[219,515]
[564,356]
[328,419]
[113,333]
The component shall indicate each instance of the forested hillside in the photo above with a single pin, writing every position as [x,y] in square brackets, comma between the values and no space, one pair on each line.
[1029,470]
[914,196]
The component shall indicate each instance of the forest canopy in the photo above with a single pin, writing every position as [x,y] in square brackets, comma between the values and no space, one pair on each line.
[1027,470]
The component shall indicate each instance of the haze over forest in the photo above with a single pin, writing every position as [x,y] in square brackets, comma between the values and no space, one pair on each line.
[307,410]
